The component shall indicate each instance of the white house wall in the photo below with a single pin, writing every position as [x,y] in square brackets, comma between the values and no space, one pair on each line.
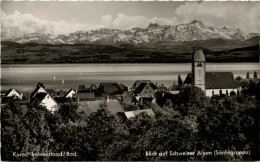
[217,91]
[49,103]
[70,94]
[14,93]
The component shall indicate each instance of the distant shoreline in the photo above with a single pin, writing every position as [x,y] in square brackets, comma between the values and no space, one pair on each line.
[124,63]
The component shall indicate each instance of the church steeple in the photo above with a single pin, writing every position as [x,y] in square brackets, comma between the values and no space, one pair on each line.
[198,69]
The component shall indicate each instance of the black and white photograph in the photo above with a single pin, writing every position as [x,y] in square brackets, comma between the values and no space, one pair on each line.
[130,80]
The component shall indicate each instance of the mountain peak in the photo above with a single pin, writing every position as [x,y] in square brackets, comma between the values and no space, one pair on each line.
[153,25]
[196,22]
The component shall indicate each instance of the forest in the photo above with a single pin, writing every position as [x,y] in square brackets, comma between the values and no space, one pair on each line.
[186,122]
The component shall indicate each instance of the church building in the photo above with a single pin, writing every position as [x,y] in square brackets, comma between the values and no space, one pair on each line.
[212,83]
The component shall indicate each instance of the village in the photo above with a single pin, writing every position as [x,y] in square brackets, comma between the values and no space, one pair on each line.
[129,101]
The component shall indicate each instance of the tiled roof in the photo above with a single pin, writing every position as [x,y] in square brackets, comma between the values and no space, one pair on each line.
[84,95]
[69,92]
[216,80]
[40,96]
[113,106]
[113,88]
[6,94]
[138,82]
[35,91]
[61,100]
[140,88]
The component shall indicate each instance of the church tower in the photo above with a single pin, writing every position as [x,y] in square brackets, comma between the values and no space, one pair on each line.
[199,69]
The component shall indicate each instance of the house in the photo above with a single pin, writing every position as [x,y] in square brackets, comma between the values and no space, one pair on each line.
[39,89]
[145,91]
[89,107]
[70,93]
[212,83]
[138,82]
[56,93]
[84,96]
[162,87]
[132,114]
[44,99]
[14,94]
[113,89]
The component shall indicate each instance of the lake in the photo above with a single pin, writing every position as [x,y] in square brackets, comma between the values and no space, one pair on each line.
[24,77]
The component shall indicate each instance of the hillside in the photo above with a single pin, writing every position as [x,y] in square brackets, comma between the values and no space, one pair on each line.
[216,50]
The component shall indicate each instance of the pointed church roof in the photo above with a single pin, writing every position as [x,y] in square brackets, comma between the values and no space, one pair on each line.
[199,56]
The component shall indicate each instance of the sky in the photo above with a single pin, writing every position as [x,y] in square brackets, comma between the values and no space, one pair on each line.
[22,17]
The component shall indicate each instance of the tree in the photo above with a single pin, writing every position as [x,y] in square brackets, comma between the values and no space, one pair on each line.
[179,81]
[255,75]
[247,75]
[239,78]
[191,100]
[40,84]
[69,112]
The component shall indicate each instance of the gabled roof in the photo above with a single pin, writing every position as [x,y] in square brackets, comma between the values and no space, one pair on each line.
[216,80]
[85,95]
[10,90]
[69,92]
[138,82]
[188,79]
[40,96]
[113,88]
[35,91]
[132,114]
[140,88]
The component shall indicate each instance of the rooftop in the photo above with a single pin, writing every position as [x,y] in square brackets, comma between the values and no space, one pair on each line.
[216,80]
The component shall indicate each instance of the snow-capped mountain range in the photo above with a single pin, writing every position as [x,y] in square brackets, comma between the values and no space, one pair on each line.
[194,30]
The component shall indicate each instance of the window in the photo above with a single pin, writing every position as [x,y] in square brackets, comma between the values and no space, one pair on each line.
[199,64]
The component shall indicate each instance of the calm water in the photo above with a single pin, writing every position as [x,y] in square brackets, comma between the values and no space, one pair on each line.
[25,77]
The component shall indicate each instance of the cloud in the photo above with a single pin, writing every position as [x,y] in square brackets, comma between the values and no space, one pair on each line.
[18,24]
[242,15]
[123,21]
